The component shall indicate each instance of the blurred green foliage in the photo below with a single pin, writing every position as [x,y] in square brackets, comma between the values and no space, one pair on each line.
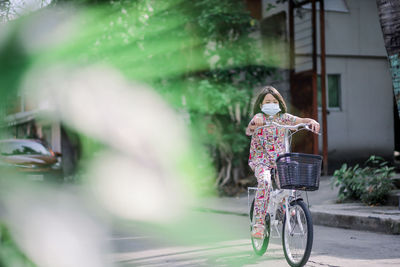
[200,56]
[10,254]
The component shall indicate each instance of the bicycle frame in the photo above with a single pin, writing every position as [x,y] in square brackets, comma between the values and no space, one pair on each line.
[275,200]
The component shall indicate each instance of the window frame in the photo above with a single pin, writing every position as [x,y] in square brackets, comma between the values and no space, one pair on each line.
[338,109]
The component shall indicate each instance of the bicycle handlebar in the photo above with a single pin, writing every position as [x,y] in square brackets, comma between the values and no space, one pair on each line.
[291,127]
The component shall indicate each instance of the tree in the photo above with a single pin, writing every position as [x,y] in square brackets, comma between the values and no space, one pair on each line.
[219,97]
[201,57]
[389,15]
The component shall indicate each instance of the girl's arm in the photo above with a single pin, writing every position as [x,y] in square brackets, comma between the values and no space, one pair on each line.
[313,123]
[257,121]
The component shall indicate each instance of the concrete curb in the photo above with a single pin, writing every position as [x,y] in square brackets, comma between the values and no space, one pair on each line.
[338,219]
[356,222]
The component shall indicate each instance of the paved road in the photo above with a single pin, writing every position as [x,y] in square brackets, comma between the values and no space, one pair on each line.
[223,240]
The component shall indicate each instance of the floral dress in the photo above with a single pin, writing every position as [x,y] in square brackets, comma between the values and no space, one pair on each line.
[269,143]
[265,147]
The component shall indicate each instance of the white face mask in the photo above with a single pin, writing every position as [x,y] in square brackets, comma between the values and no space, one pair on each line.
[270,109]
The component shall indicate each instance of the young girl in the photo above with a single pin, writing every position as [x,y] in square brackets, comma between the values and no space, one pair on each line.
[268,144]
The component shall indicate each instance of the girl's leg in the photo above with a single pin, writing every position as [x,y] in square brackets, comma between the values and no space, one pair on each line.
[262,196]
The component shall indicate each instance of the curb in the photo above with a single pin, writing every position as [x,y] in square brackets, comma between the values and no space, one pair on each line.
[363,223]
[346,221]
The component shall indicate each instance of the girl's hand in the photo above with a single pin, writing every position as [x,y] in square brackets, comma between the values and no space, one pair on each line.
[257,121]
[314,126]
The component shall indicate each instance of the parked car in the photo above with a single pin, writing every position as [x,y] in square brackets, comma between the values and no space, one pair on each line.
[31,157]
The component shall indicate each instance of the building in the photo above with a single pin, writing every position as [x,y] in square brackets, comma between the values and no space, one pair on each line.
[360,97]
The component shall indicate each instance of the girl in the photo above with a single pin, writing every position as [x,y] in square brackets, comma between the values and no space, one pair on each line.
[270,107]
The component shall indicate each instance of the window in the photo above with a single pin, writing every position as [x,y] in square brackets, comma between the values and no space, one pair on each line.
[333,91]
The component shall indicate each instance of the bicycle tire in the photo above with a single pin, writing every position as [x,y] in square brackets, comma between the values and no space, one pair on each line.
[260,245]
[302,214]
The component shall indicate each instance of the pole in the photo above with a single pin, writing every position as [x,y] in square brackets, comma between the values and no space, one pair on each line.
[323,87]
[314,70]
[291,39]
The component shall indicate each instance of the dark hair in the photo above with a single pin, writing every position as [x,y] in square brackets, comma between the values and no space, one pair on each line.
[269,90]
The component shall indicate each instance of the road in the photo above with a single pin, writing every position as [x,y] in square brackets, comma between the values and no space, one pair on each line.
[223,240]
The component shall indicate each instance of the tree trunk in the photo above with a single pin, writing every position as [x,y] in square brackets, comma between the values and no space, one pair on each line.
[236,175]
[228,172]
[389,16]
[220,176]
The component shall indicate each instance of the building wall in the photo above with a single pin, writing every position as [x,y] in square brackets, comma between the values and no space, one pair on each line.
[357,32]
[364,124]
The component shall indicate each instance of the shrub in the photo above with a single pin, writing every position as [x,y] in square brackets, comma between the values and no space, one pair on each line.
[371,184]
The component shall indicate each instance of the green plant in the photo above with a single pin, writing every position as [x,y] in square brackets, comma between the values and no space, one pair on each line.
[349,182]
[378,181]
[371,184]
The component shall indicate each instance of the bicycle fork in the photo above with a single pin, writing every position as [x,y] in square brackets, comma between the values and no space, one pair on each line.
[288,214]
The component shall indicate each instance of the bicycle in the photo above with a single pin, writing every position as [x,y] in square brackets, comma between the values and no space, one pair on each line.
[296,171]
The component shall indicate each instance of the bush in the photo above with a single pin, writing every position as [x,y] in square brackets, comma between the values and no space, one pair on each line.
[370,184]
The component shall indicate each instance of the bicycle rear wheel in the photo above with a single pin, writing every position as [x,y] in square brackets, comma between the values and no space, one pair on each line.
[297,241]
[260,245]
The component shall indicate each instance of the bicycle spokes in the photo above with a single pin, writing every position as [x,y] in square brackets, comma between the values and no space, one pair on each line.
[297,234]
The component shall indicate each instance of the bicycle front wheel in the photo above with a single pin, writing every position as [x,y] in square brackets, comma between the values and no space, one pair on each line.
[297,234]
[260,245]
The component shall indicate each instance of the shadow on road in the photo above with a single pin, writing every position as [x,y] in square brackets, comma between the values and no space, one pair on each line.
[221,255]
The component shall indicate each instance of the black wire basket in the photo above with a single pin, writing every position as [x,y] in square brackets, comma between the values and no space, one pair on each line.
[299,171]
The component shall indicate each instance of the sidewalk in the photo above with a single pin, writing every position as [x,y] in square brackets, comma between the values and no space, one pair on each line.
[324,210]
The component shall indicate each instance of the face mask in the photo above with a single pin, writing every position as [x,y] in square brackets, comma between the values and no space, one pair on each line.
[270,109]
